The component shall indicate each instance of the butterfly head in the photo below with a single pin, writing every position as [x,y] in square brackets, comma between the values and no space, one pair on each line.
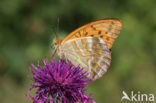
[56,42]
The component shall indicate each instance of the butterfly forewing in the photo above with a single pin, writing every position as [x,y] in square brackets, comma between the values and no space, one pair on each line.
[90,52]
[107,29]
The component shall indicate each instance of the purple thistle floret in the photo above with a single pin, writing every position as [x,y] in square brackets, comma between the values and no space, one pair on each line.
[59,82]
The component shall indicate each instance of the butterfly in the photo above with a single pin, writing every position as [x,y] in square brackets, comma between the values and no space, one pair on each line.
[90,46]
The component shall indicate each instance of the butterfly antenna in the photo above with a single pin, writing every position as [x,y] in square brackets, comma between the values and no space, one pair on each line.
[54,30]
[58,22]
[55,33]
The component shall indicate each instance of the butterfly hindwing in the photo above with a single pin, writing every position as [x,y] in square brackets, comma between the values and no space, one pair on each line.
[90,52]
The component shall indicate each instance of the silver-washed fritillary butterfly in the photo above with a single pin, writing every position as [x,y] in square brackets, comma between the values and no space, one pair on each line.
[90,46]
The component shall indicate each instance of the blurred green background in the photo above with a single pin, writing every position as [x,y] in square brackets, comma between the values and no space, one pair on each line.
[27,28]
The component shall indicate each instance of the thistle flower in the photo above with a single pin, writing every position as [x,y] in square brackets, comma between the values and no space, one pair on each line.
[59,82]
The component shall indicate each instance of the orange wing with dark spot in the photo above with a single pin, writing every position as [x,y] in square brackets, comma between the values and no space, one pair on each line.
[107,29]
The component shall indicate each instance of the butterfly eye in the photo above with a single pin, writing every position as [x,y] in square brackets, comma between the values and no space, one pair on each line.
[55,43]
